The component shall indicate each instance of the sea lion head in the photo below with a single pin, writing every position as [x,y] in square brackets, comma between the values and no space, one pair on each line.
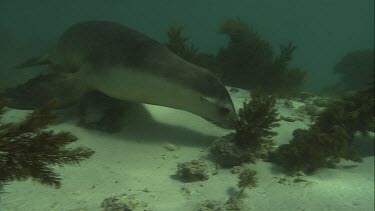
[208,98]
[219,112]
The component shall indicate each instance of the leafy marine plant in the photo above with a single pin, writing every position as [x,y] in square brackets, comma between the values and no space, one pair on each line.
[252,138]
[279,78]
[330,138]
[312,149]
[353,113]
[356,69]
[249,62]
[247,179]
[27,150]
[246,55]
[178,43]
[256,120]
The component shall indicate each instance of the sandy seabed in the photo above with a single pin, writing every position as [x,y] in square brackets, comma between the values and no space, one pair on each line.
[136,162]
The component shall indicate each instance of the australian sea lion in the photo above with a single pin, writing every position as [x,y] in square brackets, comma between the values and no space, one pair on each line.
[127,65]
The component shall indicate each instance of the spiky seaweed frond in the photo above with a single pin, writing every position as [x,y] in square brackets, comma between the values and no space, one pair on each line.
[247,179]
[27,150]
[256,120]
[178,44]
[330,137]
[252,139]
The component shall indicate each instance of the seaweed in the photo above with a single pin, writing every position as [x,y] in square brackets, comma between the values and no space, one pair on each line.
[247,179]
[286,55]
[256,120]
[248,62]
[178,44]
[27,150]
[354,113]
[330,138]
[355,69]
[280,79]
[252,138]
[233,203]
[312,149]
[246,55]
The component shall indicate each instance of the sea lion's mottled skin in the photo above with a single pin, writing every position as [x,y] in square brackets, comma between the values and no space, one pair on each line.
[127,65]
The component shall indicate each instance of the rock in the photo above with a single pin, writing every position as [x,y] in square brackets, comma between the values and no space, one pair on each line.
[170,147]
[234,90]
[124,202]
[321,102]
[305,95]
[195,170]
[211,205]
[231,204]
[236,170]
[286,119]
[300,173]
[288,104]
[309,110]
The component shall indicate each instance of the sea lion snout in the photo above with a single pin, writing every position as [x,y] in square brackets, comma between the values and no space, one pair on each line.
[219,112]
[230,118]
[227,118]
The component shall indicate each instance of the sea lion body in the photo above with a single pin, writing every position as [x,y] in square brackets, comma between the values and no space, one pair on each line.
[127,65]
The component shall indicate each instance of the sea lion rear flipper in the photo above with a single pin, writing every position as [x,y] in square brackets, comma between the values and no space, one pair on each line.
[34,61]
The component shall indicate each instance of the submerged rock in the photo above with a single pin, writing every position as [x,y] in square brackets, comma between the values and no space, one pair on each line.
[195,170]
[124,202]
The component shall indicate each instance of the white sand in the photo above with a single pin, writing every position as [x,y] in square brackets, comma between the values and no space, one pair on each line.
[134,161]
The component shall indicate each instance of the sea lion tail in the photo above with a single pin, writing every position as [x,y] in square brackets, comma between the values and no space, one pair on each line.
[34,61]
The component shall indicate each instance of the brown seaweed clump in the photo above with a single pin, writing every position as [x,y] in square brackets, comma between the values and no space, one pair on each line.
[246,53]
[252,138]
[178,44]
[356,69]
[249,62]
[331,137]
[27,150]
[257,118]
[247,179]
[354,113]
[312,149]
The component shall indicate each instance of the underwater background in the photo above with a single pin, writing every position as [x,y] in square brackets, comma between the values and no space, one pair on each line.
[293,128]
[322,30]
